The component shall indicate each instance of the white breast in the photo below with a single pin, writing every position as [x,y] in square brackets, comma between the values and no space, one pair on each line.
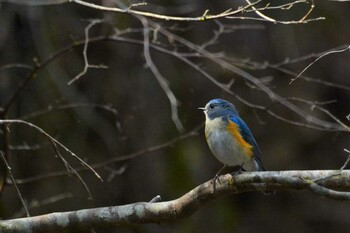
[225,147]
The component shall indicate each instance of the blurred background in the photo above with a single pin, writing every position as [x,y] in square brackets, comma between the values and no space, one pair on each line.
[121,110]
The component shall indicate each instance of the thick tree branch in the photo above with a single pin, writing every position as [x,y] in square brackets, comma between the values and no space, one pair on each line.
[327,183]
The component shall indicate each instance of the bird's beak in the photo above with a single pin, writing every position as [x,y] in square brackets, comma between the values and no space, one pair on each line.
[203,109]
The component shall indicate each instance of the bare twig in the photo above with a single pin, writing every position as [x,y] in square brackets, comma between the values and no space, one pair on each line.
[229,13]
[52,108]
[15,184]
[317,105]
[161,80]
[32,74]
[35,2]
[288,61]
[347,160]
[70,169]
[115,172]
[264,17]
[25,147]
[321,56]
[116,159]
[15,66]
[276,21]
[40,130]
[326,192]
[333,117]
[86,61]
[247,63]
[155,199]
[204,16]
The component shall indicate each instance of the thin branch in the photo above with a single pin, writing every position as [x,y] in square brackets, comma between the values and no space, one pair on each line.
[247,63]
[15,184]
[161,80]
[40,130]
[326,192]
[86,61]
[26,147]
[347,160]
[205,16]
[116,159]
[316,105]
[321,56]
[184,206]
[276,21]
[36,2]
[115,172]
[16,66]
[70,169]
[283,6]
[263,16]
[52,108]
[313,80]
[32,74]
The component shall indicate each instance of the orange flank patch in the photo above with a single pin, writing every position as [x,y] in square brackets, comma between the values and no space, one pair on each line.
[234,130]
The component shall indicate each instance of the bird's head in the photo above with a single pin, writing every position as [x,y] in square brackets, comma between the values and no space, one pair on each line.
[218,108]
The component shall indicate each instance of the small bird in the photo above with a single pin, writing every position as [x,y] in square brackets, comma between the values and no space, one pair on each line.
[229,137]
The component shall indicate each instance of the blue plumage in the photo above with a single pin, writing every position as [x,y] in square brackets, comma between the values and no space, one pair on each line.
[248,137]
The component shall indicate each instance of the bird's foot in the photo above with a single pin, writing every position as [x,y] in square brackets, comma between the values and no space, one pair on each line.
[240,170]
[217,177]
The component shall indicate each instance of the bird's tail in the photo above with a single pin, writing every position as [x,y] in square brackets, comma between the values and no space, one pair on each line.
[259,165]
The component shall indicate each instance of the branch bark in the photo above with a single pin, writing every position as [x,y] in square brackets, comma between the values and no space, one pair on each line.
[333,184]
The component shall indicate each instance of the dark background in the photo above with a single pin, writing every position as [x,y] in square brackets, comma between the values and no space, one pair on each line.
[143,118]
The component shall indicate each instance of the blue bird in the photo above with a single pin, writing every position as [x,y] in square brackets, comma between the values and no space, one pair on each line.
[229,137]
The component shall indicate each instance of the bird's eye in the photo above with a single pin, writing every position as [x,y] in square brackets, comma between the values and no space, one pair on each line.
[212,106]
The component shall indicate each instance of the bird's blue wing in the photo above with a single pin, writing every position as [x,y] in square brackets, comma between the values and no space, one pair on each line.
[248,137]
